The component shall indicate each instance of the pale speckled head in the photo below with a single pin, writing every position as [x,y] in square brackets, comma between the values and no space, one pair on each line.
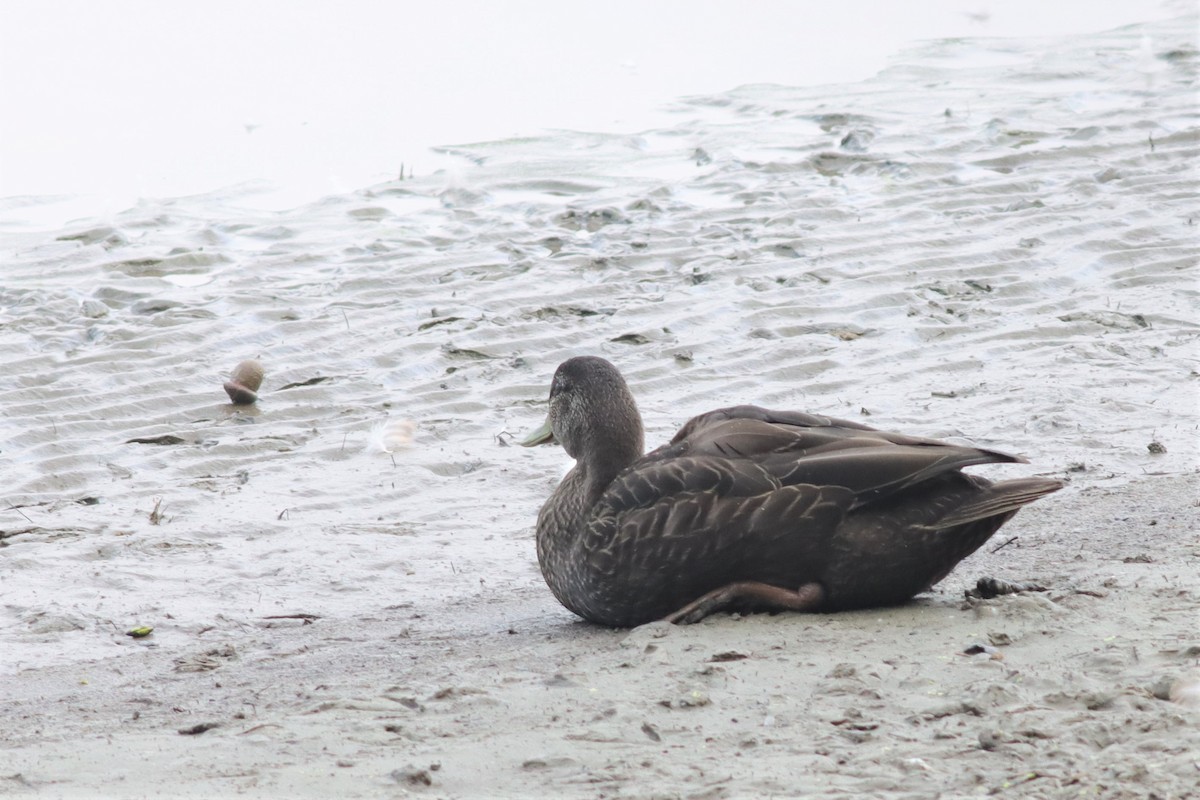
[592,413]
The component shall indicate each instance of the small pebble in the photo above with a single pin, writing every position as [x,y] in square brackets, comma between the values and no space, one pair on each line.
[93,309]
[693,699]
[242,386]
[413,776]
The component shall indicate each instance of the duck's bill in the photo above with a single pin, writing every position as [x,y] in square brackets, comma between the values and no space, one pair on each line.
[543,435]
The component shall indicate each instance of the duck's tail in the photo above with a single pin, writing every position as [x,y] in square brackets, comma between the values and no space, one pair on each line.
[998,499]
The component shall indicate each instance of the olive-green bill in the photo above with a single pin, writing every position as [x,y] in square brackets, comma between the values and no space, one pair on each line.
[543,435]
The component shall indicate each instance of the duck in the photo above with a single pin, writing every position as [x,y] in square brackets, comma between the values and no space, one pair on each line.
[751,510]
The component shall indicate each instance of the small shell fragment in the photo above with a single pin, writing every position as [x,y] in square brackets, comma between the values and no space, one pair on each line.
[242,386]
[1186,691]
[982,649]
[396,434]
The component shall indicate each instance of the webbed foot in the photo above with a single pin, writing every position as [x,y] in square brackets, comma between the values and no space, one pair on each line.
[762,596]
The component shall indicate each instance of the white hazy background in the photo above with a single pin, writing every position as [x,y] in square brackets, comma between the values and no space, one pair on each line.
[103,103]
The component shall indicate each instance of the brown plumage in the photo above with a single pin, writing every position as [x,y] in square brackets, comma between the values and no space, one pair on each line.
[750,509]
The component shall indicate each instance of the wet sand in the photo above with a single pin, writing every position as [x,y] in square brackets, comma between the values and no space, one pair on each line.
[1000,248]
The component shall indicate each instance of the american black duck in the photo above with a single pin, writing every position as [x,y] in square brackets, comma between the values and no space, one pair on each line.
[752,510]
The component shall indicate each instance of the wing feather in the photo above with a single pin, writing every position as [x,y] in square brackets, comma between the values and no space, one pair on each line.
[746,450]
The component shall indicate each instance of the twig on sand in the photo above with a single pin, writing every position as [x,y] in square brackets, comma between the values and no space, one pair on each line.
[308,618]
[1006,544]
[11,507]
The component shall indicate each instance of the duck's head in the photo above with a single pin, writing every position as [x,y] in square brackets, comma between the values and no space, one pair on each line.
[592,413]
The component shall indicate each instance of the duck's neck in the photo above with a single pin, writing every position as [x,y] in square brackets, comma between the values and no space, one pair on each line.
[611,451]
[563,520]
[596,478]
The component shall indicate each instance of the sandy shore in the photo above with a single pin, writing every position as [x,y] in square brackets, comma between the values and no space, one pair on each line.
[504,695]
[1001,248]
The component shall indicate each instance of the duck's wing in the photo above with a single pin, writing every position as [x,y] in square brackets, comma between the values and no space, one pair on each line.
[743,443]
[750,430]
[875,472]
[855,476]
[707,426]
[681,523]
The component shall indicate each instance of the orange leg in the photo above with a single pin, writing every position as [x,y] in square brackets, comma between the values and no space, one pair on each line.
[762,596]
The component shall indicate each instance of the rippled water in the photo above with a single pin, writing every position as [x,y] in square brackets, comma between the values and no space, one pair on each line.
[108,103]
[1003,250]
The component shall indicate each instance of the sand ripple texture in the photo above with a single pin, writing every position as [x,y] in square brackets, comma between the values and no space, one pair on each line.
[995,244]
